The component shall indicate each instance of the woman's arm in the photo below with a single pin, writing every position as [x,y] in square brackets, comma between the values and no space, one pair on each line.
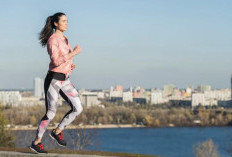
[56,56]
[75,51]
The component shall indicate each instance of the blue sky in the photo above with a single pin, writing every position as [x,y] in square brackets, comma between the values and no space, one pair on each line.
[128,42]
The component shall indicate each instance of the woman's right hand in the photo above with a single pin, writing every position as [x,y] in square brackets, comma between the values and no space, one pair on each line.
[77,50]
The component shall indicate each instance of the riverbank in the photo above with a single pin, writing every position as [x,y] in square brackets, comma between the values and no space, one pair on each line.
[29,127]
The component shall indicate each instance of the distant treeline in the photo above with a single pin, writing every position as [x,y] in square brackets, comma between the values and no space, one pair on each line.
[125,113]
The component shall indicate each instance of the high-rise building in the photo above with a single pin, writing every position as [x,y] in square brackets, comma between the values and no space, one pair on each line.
[89,99]
[168,90]
[203,88]
[198,99]
[231,87]
[188,90]
[38,87]
[10,98]
[127,96]
[119,88]
[156,97]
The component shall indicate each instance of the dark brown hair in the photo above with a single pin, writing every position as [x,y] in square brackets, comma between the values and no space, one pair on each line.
[47,31]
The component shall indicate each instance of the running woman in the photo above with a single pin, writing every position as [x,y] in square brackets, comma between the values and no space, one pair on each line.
[57,80]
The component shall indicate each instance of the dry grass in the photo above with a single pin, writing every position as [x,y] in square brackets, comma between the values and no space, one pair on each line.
[67,151]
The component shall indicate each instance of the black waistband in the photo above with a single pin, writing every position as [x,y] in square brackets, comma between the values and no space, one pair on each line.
[57,75]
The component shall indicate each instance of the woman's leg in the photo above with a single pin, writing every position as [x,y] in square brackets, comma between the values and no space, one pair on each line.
[71,96]
[51,89]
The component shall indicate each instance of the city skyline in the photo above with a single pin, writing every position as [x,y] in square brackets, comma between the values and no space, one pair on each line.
[131,43]
[203,95]
[38,84]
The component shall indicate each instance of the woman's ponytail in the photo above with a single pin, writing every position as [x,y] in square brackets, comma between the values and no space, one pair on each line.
[47,31]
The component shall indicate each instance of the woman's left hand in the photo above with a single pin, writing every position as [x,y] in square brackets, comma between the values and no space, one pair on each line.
[73,66]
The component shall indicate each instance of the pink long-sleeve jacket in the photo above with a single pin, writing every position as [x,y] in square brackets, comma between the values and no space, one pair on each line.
[58,50]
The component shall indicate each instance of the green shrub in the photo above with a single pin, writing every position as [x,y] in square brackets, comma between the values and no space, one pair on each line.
[6,138]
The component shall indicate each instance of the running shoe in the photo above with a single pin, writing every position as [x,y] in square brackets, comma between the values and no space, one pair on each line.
[58,137]
[37,148]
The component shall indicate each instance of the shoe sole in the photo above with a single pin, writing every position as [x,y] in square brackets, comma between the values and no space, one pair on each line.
[56,141]
[36,151]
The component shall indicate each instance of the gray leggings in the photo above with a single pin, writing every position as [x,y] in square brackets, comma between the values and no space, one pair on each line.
[55,84]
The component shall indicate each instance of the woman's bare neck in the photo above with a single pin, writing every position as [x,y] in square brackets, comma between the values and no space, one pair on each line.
[60,34]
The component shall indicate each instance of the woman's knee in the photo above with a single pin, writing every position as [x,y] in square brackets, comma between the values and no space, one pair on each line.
[78,105]
[51,114]
[78,110]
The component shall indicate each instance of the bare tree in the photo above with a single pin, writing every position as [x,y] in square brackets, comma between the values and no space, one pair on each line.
[206,149]
[85,137]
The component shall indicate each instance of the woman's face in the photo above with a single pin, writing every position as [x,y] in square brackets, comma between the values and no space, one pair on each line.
[62,25]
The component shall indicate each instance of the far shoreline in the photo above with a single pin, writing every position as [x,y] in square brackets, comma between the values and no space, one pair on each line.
[26,127]
[105,126]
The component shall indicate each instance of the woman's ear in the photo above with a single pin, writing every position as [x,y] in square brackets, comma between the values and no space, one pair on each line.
[55,24]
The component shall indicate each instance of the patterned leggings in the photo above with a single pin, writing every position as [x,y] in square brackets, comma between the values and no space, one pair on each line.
[55,84]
